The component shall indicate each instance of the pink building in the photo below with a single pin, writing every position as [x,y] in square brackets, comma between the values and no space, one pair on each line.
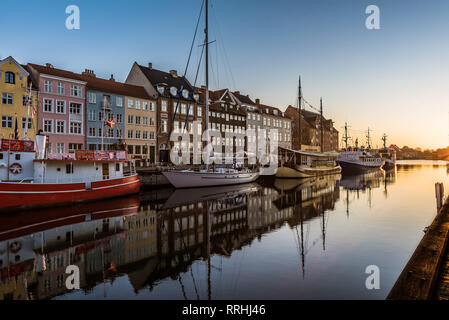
[61,107]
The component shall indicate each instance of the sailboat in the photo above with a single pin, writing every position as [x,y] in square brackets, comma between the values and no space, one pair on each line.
[304,164]
[209,177]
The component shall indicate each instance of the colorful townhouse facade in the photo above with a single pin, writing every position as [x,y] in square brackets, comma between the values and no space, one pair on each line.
[61,107]
[165,87]
[18,101]
[140,128]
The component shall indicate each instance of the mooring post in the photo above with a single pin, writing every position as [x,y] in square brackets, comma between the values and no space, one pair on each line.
[439,193]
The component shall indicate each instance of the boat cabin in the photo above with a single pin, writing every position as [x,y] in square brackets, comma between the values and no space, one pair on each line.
[16,160]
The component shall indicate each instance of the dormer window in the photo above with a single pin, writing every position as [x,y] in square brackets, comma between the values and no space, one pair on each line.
[160,89]
[196,96]
[173,91]
[10,78]
[185,94]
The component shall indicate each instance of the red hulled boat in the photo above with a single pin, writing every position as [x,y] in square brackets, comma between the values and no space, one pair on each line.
[30,178]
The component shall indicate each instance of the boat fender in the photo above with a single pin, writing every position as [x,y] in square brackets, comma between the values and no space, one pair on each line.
[16,168]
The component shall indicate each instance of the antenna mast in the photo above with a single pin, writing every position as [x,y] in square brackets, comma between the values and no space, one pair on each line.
[345,137]
[368,140]
[321,124]
[384,139]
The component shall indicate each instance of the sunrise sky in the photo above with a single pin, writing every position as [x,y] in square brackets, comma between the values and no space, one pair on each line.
[394,80]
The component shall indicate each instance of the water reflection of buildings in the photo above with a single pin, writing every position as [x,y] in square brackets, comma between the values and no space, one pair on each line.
[153,240]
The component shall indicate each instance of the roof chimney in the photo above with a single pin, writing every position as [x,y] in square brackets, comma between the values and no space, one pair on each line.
[89,73]
[257,101]
[112,78]
[150,65]
[237,92]
[174,73]
[49,65]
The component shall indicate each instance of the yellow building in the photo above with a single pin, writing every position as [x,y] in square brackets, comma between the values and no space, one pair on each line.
[14,90]
[140,129]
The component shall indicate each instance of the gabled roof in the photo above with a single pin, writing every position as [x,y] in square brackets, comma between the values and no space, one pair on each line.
[271,110]
[158,77]
[243,99]
[11,59]
[95,83]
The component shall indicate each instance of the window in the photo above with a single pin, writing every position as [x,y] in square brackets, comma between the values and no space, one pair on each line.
[61,90]
[60,106]
[130,134]
[183,108]
[138,119]
[75,127]
[119,101]
[48,105]
[190,110]
[130,119]
[151,122]
[91,132]
[164,106]
[69,168]
[6,122]
[145,105]
[75,108]
[137,134]
[151,135]
[145,135]
[199,111]
[117,167]
[48,88]
[30,123]
[27,99]
[110,132]
[130,103]
[60,126]
[75,146]
[137,149]
[75,91]
[92,115]
[9,77]
[164,126]
[100,132]
[92,97]
[48,126]
[100,116]
[151,106]
[137,104]
[7,98]
[60,147]
[145,121]
[119,118]
[130,149]
[119,133]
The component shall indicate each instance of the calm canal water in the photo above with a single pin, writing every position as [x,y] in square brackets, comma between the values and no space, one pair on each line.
[277,239]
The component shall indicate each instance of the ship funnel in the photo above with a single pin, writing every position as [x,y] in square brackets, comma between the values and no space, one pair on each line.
[41,145]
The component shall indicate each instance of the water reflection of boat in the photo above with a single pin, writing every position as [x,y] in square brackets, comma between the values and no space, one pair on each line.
[362,181]
[25,223]
[193,195]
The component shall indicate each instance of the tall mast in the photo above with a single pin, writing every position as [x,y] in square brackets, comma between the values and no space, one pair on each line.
[206,31]
[384,139]
[368,140]
[299,112]
[345,138]
[321,124]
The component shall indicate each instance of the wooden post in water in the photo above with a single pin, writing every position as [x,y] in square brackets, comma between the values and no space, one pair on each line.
[439,193]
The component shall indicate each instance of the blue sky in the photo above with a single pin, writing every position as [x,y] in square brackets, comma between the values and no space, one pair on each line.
[393,80]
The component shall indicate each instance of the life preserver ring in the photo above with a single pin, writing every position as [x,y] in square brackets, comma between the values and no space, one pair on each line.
[15,246]
[16,168]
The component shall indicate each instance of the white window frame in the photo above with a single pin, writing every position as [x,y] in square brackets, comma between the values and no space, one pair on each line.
[56,126]
[52,105]
[56,107]
[43,125]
